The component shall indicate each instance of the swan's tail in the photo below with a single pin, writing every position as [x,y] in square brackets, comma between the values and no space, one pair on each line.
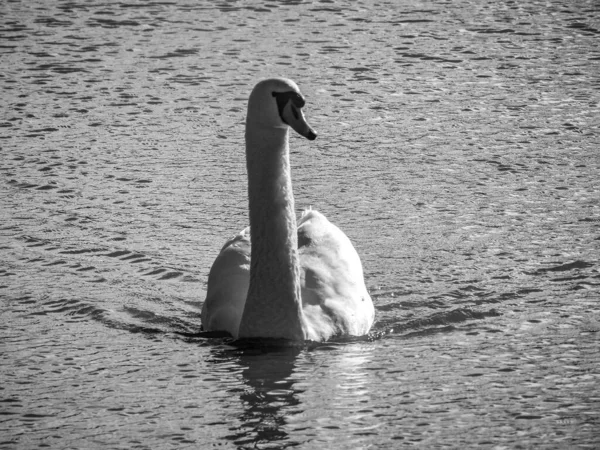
[306,211]
[243,235]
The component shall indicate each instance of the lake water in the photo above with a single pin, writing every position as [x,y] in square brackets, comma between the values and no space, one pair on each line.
[458,148]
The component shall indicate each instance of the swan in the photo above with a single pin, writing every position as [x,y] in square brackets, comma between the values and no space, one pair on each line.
[278,278]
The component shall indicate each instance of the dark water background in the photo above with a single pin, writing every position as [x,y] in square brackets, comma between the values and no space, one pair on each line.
[458,148]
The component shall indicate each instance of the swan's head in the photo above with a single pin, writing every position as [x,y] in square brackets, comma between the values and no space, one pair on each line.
[277,103]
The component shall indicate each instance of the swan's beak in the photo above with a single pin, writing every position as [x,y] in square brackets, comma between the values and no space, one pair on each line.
[294,118]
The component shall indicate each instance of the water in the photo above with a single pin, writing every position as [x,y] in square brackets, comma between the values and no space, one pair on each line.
[458,148]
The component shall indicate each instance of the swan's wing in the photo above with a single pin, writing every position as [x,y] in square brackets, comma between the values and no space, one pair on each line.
[334,296]
[228,282]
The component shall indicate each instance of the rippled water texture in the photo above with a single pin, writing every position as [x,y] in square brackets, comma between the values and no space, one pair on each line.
[458,148]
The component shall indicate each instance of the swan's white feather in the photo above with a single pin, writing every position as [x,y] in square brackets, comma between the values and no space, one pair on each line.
[335,300]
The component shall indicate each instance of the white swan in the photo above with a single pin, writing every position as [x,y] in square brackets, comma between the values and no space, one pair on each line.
[302,282]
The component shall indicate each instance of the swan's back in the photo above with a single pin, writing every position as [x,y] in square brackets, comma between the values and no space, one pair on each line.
[335,301]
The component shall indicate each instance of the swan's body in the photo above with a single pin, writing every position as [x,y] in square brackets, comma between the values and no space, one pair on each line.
[302,282]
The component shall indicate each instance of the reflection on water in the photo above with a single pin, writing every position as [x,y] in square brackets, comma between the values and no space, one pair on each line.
[268,392]
[283,393]
[457,148]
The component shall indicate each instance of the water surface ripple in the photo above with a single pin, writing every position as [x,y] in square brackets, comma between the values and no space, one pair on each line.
[458,148]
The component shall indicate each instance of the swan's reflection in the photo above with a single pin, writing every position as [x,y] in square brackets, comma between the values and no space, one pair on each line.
[269,390]
[289,392]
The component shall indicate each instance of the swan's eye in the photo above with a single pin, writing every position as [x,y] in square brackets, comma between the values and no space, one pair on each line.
[283,98]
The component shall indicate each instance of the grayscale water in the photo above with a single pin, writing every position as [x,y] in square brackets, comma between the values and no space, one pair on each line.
[458,148]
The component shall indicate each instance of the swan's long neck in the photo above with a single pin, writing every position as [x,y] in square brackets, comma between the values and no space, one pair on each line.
[273,305]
